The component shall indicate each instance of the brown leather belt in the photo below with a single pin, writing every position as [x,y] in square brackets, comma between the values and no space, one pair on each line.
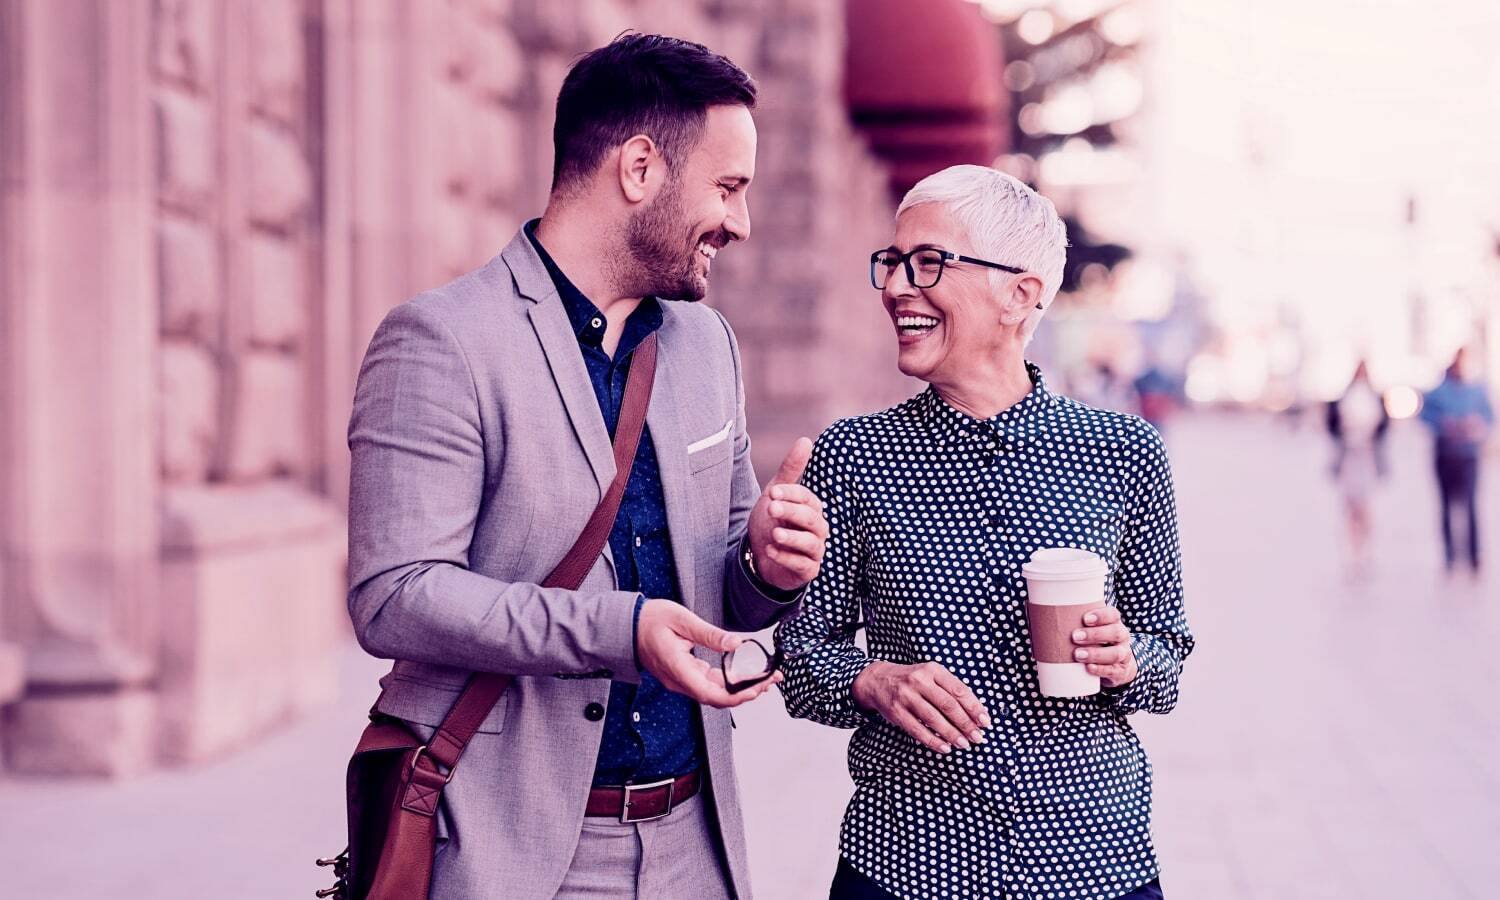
[642,802]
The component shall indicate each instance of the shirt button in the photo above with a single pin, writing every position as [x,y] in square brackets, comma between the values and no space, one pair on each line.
[635,717]
[593,712]
[637,542]
[597,322]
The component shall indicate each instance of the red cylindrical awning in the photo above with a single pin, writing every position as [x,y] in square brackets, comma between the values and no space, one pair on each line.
[923,82]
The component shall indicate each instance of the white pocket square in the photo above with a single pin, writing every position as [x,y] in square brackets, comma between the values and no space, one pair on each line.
[717,437]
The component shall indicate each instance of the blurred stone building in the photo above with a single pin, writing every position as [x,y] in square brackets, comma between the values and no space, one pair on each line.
[208,206]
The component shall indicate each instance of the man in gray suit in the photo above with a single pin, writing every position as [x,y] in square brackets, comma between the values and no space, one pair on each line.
[481,443]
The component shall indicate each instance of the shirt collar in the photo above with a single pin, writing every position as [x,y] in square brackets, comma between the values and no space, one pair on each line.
[1018,422]
[588,322]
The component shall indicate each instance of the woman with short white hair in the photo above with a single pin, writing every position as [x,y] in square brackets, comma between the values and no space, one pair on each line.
[969,782]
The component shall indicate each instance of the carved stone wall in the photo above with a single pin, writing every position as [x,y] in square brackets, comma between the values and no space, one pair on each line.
[207,207]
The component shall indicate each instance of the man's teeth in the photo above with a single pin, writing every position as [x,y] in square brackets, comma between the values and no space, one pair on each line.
[916,322]
[708,250]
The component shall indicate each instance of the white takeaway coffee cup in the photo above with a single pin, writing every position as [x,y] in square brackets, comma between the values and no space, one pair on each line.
[1062,584]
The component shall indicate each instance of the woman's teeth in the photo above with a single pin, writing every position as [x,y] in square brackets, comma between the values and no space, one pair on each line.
[916,324]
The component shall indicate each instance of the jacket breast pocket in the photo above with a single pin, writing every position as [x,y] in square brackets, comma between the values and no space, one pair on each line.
[711,451]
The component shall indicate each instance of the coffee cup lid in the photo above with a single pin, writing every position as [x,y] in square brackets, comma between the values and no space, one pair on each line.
[1064,564]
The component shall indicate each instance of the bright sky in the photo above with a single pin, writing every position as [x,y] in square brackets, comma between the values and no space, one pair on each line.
[1350,107]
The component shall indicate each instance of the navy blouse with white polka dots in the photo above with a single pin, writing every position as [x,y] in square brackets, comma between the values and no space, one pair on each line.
[932,514]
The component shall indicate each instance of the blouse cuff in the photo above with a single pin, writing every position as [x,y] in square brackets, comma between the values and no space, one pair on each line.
[842,707]
[1153,664]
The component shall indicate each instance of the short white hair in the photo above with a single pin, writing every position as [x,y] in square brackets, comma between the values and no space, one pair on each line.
[1007,222]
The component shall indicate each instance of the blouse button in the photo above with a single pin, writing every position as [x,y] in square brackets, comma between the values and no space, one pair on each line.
[593,712]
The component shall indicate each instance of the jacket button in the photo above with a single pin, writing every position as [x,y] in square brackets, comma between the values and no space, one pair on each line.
[593,712]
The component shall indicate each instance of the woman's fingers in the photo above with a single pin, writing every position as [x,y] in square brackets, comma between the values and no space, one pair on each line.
[953,713]
[1114,633]
[909,723]
[1104,656]
[965,697]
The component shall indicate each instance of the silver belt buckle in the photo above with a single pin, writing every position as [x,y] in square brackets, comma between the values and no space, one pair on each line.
[626,818]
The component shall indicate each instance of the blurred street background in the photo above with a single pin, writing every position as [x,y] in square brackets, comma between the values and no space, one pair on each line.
[206,206]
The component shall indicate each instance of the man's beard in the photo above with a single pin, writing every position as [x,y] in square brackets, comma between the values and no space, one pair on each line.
[660,266]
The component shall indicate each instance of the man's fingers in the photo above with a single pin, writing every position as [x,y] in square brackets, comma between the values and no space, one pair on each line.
[803,542]
[701,682]
[800,516]
[705,635]
[795,463]
[796,493]
[694,678]
[960,692]
[805,568]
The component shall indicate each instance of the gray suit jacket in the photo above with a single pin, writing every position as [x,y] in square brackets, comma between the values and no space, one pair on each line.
[479,451]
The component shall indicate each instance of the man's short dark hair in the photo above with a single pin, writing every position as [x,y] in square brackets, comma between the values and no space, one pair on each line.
[646,84]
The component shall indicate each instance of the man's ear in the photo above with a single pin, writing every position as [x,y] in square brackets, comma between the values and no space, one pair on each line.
[640,169]
[1023,297]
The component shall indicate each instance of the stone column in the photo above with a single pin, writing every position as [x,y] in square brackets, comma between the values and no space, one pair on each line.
[252,551]
[78,487]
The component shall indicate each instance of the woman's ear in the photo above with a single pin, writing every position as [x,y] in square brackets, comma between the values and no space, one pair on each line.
[640,168]
[1025,295]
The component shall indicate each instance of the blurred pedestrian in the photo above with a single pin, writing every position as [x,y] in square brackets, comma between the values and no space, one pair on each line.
[1158,396]
[1358,421]
[1461,418]
[967,781]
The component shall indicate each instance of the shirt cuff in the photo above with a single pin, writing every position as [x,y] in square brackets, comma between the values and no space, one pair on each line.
[770,591]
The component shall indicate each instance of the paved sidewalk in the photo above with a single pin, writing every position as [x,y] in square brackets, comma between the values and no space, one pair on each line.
[1334,739]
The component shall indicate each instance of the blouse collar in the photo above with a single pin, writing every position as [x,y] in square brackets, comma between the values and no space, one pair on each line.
[1018,421]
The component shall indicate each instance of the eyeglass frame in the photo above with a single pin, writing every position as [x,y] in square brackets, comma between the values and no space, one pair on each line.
[780,658]
[946,256]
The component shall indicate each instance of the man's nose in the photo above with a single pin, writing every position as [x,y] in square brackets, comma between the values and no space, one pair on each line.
[738,222]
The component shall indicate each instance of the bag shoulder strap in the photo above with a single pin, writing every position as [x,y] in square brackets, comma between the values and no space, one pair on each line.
[485,689]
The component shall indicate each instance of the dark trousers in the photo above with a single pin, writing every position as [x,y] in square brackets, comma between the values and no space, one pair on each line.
[1458,483]
[850,884]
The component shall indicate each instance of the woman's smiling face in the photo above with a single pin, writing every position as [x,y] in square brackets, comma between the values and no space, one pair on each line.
[953,326]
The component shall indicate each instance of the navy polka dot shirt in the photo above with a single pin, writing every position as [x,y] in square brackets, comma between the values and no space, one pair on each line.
[650,732]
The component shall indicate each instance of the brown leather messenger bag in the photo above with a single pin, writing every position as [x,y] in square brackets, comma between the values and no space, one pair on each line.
[395,782]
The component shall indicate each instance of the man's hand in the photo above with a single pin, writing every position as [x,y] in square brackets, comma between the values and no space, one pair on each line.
[788,533]
[925,701]
[664,641]
[1105,647]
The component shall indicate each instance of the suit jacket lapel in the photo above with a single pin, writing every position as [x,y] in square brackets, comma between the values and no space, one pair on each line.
[668,395]
[560,345]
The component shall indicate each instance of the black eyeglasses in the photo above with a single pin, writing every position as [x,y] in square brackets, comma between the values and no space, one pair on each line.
[924,265]
[751,663]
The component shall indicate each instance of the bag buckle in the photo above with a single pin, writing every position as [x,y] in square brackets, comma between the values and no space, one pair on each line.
[340,866]
[626,818]
[418,755]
